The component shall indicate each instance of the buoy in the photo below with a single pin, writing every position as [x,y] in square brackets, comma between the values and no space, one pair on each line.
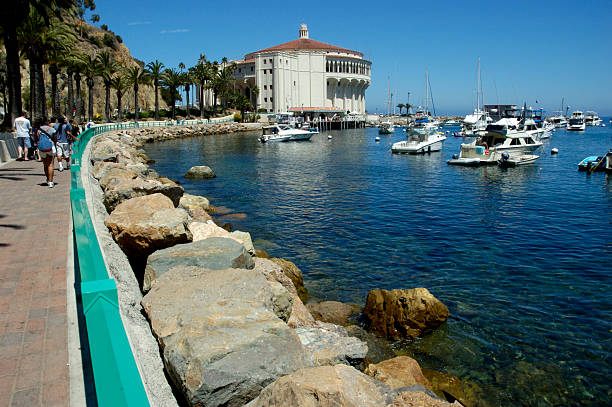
[603,125]
[377,138]
[329,137]
[554,150]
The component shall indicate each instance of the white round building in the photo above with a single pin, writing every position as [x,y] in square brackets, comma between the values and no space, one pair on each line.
[305,76]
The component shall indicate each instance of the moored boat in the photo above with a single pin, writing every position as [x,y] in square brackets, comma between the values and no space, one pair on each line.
[419,143]
[576,122]
[507,162]
[592,119]
[593,163]
[386,128]
[284,133]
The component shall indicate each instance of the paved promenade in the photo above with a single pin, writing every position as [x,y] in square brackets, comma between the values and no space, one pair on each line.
[34,233]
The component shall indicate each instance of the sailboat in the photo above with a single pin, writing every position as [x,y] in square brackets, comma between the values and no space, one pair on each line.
[423,136]
[476,122]
[558,119]
[387,127]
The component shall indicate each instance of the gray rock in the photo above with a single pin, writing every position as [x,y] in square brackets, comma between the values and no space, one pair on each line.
[190,202]
[220,339]
[200,171]
[215,253]
[330,344]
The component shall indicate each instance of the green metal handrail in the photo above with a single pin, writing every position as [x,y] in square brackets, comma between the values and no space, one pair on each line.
[116,376]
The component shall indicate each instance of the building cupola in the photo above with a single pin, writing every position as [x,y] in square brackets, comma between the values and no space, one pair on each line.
[303,31]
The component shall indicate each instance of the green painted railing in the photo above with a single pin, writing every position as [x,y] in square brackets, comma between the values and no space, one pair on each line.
[116,376]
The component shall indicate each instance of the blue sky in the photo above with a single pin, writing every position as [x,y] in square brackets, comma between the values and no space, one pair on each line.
[529,50]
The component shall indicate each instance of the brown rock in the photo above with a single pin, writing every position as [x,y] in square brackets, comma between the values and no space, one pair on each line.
[295,274]
[261,253]
[400,314]
[401,371]
[121,189]
[148,223]
[100,168]
[450,387]
[116,174]
[332,311]
[419,399]
[325,386]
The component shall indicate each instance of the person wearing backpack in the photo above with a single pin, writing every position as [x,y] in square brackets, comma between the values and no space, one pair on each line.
[63,131]
[46,147]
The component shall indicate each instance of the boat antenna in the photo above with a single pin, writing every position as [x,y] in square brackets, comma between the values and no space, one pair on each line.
[433,105]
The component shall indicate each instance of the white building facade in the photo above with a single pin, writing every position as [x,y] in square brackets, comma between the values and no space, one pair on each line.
[305,75]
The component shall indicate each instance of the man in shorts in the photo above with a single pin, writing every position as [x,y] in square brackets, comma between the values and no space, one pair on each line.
[22,129]
[63,132]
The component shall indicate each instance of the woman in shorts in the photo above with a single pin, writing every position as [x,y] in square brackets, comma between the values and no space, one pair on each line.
[45,136]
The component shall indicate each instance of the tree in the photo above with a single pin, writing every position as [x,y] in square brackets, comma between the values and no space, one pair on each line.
[90,70]
[201,74]
[172,80]
[186,76]
[255,93]
[120,83]
[11,19]
[137,76]
[222,84]
[156,69]
[107,66]
[401,106]
[95,18]
[242,103]
[408,106]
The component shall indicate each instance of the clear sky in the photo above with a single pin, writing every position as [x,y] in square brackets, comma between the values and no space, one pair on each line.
[530,50]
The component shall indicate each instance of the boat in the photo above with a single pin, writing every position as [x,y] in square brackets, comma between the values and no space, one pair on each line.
[592,163]
[505,135]
[420,143]
[282,132]
[386,128]
[451,123]
[465,162]
[475,123]
[507,162]
[557,120]
[592,119]
[576,122]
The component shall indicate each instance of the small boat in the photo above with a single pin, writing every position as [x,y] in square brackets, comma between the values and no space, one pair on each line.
[464,162]
[609,162]
[592,119]
[284,133]
[420,143]
[451,123]
[507,162]
[576,122]
[557,120]
[593,164]
[386,128]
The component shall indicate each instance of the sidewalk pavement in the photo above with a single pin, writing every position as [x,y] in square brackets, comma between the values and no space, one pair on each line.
[34,238]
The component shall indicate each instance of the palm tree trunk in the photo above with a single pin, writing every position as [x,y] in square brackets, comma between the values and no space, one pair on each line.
[79,97]
[13,74]
[202,100]
[38,99]
[156,99]
[119,108]
[33,107]
[172,97]
[187,98]
[136,102]
[90,85]
[71,106]
[107,103]
[55,105]
[42,98]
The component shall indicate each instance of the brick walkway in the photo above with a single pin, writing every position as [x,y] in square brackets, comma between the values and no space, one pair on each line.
[34,227]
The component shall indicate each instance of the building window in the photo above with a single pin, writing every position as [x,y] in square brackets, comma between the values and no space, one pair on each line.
[265,87]
[270,87]
[270,60]
[266,100]
[293,83]
[271,100]
[265,61]
[239,69]
[251,69]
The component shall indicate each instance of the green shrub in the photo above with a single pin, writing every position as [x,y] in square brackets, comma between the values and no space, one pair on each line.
[119,39]
[237,117]
[104,27]
[97,41]
[109,40]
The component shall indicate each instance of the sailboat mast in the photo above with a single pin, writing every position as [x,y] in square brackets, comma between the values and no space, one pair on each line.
[478,87]
[427,92]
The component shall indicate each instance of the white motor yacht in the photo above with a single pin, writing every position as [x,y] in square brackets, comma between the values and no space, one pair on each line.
[419,143]
[592,119]
[476,122]
[282,132]
[386,128]
[576,122]
[505,135]
[557,120]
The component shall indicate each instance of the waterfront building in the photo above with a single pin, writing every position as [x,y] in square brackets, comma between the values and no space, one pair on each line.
[305,76]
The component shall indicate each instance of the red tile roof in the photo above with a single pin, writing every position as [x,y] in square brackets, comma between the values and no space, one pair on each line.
[317,109]
[305,43]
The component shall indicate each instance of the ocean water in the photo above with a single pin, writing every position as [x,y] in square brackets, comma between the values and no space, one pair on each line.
[522,257]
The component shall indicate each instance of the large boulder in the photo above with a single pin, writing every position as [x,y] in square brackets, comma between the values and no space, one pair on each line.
[220,336]
[199,172]
[330,344]
[450,387]
[148,223]
[333,311]
[113,174]
[204,230]
[215,253]
[420,397]
[295,274]
[300,317]
[339,385]
[100,168]
[123,189]
[379,349]
[400,314]
[401,371]
[190,202]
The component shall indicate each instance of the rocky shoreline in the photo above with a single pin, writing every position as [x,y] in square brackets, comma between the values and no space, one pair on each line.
[227,323]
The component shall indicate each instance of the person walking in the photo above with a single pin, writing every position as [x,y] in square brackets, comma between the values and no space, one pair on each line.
[46,140]
[22,128]
[63,132]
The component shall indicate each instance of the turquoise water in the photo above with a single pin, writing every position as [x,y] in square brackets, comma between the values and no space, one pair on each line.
[522,257]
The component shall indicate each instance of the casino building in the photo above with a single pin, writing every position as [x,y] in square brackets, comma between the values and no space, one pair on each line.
[305,75]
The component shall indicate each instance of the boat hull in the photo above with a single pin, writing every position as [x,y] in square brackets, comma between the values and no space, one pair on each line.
[405,147]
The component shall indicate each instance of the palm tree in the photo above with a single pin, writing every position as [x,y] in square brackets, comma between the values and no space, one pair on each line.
[78,67]
[155,69]
[408,106]
[107,66]
[120,83]
[242,103]
[401,106]
[90,70]
[172,80]
[201,74]
[137,76]
[222,83]
[187,84]
[255,93]
[212,83]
